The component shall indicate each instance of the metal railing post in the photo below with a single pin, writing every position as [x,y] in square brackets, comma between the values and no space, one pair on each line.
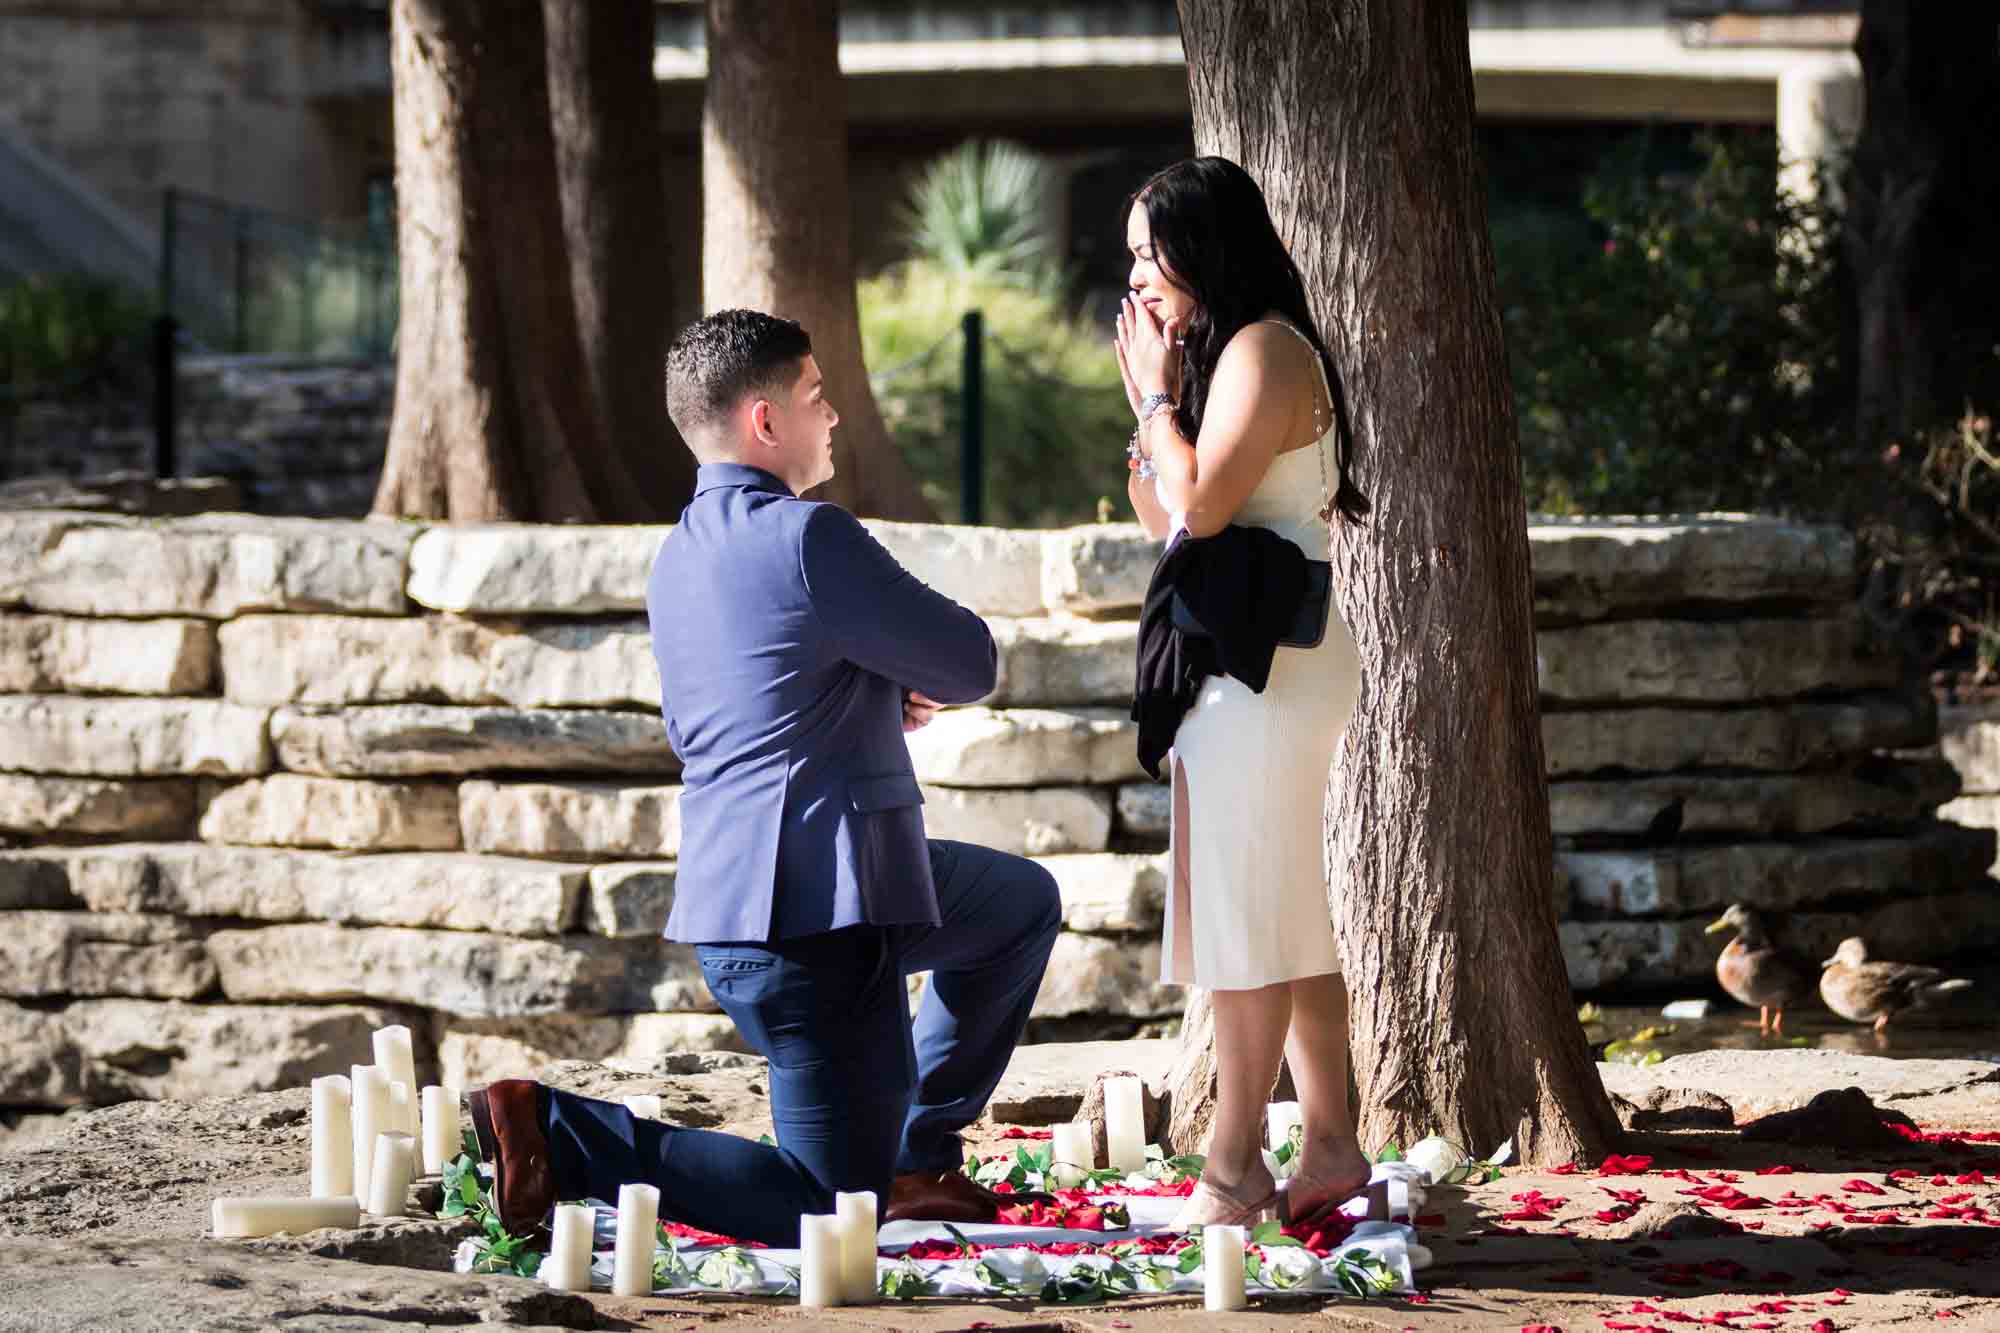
[972,421]
[165,395]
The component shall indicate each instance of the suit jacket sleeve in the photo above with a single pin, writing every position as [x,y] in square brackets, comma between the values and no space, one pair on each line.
[884,619]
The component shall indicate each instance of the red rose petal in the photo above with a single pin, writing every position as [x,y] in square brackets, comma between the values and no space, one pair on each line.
[1779,1170]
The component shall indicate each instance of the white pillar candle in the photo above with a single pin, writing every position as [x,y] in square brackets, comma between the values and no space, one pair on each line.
[403,1108]
[1125,1123]
[332,1137]
[394,1165]
[568,1265]
[1071,1155]
[819,1260]
[440,1129]
[265,1217]
[370,1107]
[1280,1118]
[856,1212]
[1222,1268]
[638,1237]
[645,1105]
[396,1058]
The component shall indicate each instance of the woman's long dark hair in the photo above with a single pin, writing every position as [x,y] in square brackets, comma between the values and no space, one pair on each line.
[1213,233]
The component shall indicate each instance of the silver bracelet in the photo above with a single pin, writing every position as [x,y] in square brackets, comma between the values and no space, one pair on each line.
[1146,471]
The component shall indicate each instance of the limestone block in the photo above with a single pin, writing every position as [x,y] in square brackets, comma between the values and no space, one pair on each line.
[460,972]
[1106,975]
[570,819]
[77,807]
[96,1052]
[1023,747]
[86,737]
[35,882]
[1696,661]
[1969,739]
[212,565]
[629,899]
[1027,821]
[1793,736]
[1110,891]
[1769,804]
[399,740]
[1146,809]
[1097,568]
[439,889]
[345,814]
[56,654]
[1062,663]
[1588,568]
[93,953]
[474,1051]
[1980,812]
[994,571]
[533,568]
[1773,876]
[364,659]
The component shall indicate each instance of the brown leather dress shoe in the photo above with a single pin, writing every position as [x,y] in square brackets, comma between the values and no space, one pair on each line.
[509,1131]
[948,1196]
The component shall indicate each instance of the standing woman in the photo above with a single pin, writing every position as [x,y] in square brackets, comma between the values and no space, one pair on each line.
[1238,423]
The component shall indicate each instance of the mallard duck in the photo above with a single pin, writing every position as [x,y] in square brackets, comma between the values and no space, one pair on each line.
[1755,971]
[1862,991]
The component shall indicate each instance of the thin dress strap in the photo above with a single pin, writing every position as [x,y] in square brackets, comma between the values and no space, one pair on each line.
[1326,386]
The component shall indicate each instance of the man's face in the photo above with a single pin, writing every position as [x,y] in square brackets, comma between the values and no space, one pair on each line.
[799,426]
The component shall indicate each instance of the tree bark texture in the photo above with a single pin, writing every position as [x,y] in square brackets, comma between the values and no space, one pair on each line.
[610,170]
[1356,118]
[776,234]
[1923,222]
[492,417]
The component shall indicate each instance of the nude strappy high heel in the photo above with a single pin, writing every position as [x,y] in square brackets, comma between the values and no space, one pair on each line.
[1304,1197]
[1211,1205]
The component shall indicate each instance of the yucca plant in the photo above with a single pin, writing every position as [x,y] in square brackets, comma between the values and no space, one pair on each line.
[980,211]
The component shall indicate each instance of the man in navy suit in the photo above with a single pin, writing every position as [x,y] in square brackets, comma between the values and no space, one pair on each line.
[794,652]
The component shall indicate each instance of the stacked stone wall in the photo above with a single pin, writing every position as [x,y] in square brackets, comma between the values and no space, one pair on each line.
[266,784]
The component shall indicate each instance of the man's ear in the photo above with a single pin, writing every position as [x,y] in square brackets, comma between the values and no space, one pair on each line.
[760,421]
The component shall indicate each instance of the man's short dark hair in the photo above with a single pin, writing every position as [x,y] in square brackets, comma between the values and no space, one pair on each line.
[715,362]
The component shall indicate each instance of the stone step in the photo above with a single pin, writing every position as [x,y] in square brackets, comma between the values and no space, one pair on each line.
[1794,736]
[1589,568]
[1783,804]
[45,654]
[474,1051]
[1104,975]
[570,819]
[1771,876]
[1969,738]
[1979,812]
[403,740]
[40,806]
[53,954]
[1026,821]
[1046,1083]
[97,1052]
[984,747]
[118,738]
[341,814]
[1709,662]
[629,899]
[1110,892]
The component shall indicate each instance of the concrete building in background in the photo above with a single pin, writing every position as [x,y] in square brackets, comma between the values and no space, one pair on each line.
[284,105]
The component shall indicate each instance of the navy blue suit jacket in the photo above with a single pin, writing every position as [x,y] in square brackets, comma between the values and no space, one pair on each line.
[785,637]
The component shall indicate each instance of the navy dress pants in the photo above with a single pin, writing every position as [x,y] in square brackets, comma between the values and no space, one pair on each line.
[859,1090]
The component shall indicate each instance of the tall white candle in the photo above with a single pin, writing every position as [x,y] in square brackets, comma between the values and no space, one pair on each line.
[394,1166]
[568,1264]
[819,1260]
[645,1105]
[1280,1118]
[332,1137]
[1125,1123]
[856,1212]
[638,1237]
[1070,1152]
[403,1108]
[440,1129]
[265,1217]
[396,1057]
[370,1106]
[1222,1268]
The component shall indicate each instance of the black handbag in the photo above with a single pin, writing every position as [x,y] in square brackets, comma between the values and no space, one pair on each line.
[1308,627]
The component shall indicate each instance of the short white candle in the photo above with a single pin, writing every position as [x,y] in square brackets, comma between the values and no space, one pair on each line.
[856,1212]
[1222,1268]
[332,1137]
[394,1166]
[1071,1154]
[1125,1123]
[645,1105]
[1280,1118]
[265,1217]
[396,1058]
[819,1260]
[568,1265]
[638,1237]
[440,1129]
[370,1107]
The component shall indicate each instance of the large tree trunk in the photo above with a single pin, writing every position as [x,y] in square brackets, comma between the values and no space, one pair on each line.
[1923,222]
[492,417]
[775,219]
[1356,118]
[609,156]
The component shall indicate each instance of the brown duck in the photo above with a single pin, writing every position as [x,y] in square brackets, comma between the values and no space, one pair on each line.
[1862,991]
[1756,972]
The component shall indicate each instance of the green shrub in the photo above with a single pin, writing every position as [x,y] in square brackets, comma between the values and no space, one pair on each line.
[65,331]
